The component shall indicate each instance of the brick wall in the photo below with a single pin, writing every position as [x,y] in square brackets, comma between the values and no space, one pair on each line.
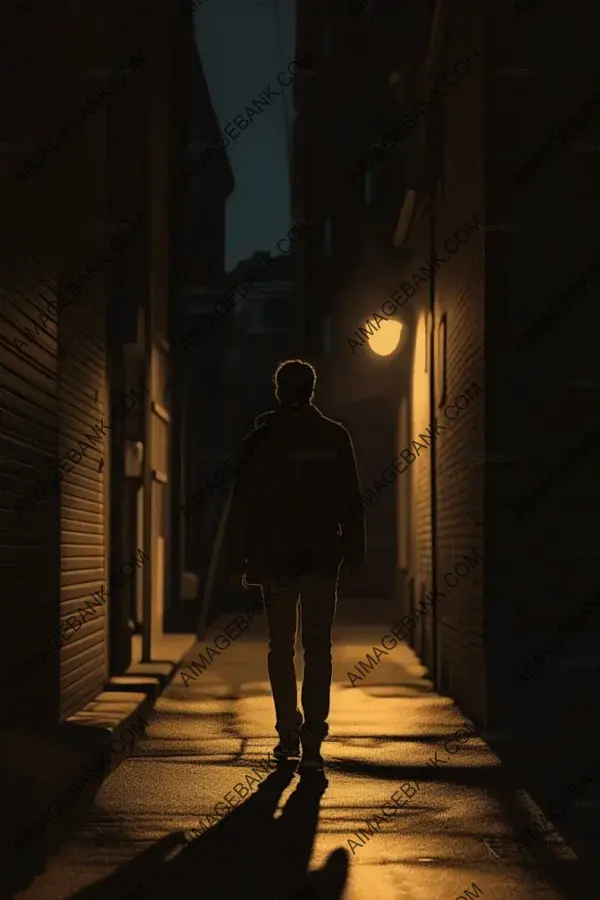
[446,170]
[543,372]
[459,301]
[420,417]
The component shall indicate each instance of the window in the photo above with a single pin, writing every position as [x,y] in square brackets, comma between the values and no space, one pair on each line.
[369,188]
[427,342]
[440,372]
[360,6]
[440,138]
[276,314]
[327,38]
[327,334]
[397,87]
[265,315]
[327,247]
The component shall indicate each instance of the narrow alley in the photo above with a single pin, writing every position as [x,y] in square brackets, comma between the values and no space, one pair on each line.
[414,804]
[306,290]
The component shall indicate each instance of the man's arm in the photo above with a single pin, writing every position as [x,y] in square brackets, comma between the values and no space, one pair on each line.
[354,539]
[264,418]
[238,520]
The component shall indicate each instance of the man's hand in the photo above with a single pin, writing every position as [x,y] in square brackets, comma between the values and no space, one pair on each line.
[236,579]
[251,581]
[351,569]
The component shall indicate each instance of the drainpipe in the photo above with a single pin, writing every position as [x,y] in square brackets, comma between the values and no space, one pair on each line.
[212,569]
[440,18]
[147,482]
[432,406]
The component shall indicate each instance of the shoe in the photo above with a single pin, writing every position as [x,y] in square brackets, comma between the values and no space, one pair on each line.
[288,748]
[311,762]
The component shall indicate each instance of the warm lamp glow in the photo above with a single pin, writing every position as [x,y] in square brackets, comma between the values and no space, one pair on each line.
[385,340]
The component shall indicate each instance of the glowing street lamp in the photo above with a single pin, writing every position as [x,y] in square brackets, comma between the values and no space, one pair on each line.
[385,340]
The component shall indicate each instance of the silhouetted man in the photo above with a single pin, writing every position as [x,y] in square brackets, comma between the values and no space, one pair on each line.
[294,517]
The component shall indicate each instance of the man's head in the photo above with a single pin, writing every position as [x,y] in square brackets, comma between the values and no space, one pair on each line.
[295,382]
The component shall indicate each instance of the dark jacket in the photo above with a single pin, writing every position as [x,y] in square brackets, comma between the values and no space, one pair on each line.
[296,496]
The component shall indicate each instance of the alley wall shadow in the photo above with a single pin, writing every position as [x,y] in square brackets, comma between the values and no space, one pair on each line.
[567,875]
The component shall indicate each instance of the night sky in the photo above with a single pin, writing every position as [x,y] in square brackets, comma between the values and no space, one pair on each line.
[237,40]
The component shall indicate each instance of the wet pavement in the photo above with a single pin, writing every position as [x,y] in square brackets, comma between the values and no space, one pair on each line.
[400,816]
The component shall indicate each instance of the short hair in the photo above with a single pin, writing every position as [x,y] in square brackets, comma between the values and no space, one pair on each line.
[294,381]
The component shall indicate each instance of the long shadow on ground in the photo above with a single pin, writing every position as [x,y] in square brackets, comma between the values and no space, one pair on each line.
[248,853]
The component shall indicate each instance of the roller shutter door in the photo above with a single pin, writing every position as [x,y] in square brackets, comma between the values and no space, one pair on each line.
[83,448]
[29,533]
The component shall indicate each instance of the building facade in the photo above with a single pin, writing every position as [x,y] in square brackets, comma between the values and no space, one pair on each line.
[232,351]
[519,450]
[91,162]
[348,266]
[55,364]
[542,371]
[442,219]
[455,219]
[201,441]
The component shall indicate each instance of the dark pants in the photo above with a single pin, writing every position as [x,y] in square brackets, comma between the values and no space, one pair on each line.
[318,598]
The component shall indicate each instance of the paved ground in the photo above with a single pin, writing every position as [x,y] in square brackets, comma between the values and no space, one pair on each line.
[456,833]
